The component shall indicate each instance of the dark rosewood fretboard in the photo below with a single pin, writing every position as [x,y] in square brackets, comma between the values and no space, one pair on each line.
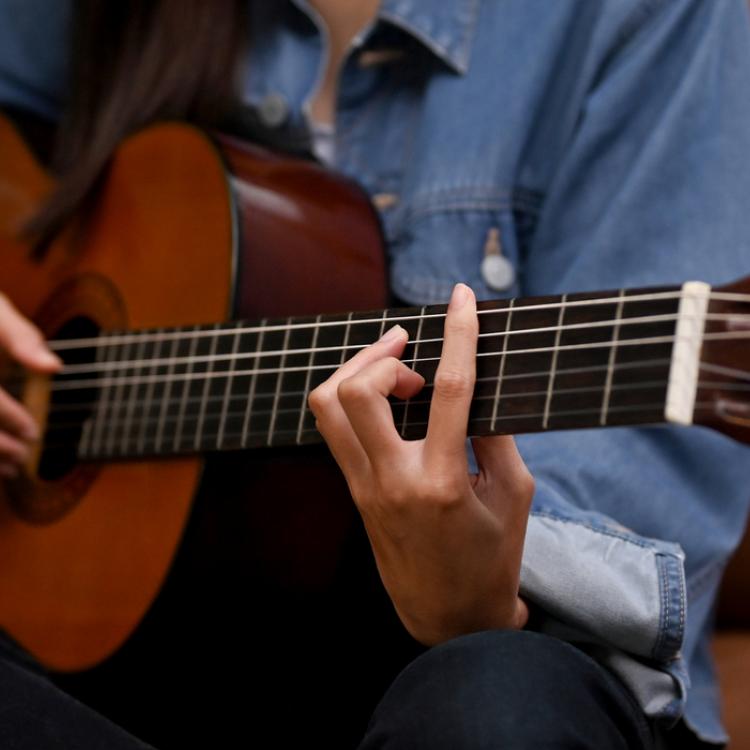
[549,363]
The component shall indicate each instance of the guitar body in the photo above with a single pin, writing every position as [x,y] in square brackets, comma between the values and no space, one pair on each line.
[182,233]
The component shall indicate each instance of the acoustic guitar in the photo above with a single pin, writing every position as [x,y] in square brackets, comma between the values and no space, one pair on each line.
[133,300]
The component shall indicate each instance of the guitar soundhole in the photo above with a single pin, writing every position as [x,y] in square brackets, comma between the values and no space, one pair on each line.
[69,406]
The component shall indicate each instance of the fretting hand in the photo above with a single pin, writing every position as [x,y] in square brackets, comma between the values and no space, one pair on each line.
[447,544]
[23,342]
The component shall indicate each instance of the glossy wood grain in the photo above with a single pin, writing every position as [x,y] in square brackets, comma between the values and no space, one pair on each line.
[71,591]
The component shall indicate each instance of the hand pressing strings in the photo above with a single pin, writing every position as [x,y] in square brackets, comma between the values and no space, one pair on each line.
[448,544]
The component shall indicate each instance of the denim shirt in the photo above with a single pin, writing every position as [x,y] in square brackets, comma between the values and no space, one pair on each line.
[597,144]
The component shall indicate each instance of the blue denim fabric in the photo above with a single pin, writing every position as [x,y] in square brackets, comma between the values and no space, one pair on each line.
[606,143]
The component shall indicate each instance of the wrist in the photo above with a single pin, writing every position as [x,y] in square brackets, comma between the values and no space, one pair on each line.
[435,630]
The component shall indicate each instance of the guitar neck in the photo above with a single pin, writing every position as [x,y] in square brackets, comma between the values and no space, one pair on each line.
[545,363]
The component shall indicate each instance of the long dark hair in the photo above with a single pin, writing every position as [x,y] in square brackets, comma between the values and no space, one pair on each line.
[134,63]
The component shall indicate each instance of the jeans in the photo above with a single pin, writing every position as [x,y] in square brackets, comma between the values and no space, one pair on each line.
[496,689]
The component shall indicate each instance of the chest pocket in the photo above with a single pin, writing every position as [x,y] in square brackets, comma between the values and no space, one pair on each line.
[481,243]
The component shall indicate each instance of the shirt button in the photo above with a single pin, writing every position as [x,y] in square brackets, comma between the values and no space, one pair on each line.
[273,110]
[497,271]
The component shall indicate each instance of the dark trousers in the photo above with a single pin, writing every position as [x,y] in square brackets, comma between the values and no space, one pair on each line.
[499,690]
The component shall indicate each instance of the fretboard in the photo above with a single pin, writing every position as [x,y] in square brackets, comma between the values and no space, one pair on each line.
[583,360]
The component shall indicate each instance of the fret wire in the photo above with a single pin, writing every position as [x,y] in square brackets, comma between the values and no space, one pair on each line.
[166,397]
[645,385]
[253,384]
[382,324]
[345,341]
[92,424]
[279,378]
[553,365]
[308,376]
[149,396]
[115,401]
[227,391]
[501,371]
[183,404]
[61,344]
[417,341]
[75,369]
[611,360]
[101,411]
[130,403]
[653,340]
[202,407]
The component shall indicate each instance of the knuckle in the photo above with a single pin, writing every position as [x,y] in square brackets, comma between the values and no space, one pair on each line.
[447,492]
[453,384]
[353,390]
[396,495]
[527,484]
[319,400]
[442,490]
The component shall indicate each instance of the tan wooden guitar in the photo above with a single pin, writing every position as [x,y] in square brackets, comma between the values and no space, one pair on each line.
[189,232]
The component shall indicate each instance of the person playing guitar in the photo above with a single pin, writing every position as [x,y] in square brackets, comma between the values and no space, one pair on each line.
[563,583]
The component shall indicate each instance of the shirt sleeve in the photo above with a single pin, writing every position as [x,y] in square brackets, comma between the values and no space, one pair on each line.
[652,188]
[34,54]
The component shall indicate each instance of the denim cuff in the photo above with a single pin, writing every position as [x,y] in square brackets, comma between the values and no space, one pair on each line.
[588,571]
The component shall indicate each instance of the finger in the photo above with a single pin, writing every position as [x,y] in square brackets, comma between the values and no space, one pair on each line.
[390,344]
[23,340]
[14,418]
[504,473]
[497,455]
[13,450]
[333,424]
[364,398]
[454,379]
[331,420]
[9,470]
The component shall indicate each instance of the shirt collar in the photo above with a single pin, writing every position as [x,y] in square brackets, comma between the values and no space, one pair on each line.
[446,28]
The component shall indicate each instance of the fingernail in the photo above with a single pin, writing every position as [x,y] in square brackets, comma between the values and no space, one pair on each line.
[392,334]
[459,297]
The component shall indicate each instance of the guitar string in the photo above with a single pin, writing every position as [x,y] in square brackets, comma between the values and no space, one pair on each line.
[647,363]
[100,383]
[129,337]
[161,418]
[262,434]
[115,366]
[125,338]
[114,420]
[77,369]
[123,364]
[113,423]
[731,372]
